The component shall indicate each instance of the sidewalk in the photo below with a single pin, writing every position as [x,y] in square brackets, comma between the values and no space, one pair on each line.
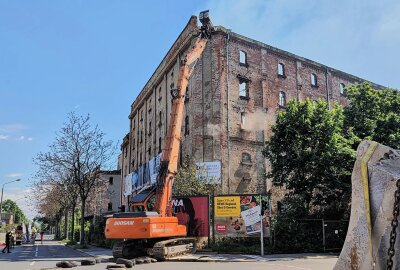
[249,258]
[212,257]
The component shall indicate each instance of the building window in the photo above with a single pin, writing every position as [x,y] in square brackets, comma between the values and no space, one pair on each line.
[150,128]
[110,206]
[243,89]
[281,70]
[125,152]
[243,118]
[111,180]
[134,124]
[141,136]
[187,125]
[140,160]
[314,81]
[282,99]
[141,116]
[160,119]
[242,58]
[246,158]
[149,150]
[159,145]
[342,89]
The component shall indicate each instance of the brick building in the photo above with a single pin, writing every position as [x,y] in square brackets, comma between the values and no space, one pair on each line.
[105,198]
[233,97]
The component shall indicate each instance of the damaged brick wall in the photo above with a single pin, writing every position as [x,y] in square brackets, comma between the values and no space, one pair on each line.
[223,125]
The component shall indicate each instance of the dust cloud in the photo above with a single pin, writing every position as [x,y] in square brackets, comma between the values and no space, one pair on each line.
[255,121]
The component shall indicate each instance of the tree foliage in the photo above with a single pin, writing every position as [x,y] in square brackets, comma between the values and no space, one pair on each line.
[311,157]
[374,114]
[187,184]
[11,207]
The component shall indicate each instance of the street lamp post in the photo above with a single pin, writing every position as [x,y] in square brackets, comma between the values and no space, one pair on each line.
[1,201]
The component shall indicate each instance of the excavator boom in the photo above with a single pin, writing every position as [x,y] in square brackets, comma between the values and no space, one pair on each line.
[157,232]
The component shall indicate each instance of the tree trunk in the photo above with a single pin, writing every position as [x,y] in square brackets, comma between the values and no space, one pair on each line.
[66,223]
[82,240]
[73,223]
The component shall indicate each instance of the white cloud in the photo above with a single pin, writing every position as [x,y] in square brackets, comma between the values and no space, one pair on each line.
[360,37]
[14,175]
[12,128]
[13,132]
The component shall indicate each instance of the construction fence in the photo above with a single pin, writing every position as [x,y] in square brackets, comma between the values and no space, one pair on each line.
[236,222]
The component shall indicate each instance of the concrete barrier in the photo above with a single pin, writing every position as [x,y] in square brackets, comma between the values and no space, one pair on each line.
[373,189]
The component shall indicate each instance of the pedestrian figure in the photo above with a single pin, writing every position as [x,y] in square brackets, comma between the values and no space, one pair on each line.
[12,240]
[33,237]
[41,236]
[8,240]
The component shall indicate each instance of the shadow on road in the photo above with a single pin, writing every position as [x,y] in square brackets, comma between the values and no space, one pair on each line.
[48,251]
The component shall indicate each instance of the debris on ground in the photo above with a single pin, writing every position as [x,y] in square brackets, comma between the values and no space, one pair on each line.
[126,262]
[89,261]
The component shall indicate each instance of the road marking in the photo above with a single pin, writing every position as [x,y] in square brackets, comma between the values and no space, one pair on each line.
[36,252]
[32,263]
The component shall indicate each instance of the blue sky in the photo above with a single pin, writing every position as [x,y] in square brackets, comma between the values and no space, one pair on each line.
[94,57]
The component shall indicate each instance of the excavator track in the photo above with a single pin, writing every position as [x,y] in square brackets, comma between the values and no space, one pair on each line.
[163,250]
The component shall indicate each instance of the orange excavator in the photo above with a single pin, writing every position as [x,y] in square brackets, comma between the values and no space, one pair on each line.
[157,232]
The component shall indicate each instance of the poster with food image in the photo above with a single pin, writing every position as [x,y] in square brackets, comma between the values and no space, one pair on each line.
[245,220]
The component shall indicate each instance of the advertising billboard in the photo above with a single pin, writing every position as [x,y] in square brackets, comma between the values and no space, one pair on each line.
[240,216]
[193,212]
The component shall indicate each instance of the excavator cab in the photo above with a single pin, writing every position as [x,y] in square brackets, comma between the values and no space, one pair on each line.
[144,201]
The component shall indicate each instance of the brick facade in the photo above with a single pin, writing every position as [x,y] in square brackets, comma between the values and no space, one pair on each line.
[224,124]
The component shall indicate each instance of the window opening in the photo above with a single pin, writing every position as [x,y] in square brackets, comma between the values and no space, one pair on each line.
[246,158]
[187,125]
[281,69]
[243,89]
[282,99]
[313,79]
[242,57]
[342,89]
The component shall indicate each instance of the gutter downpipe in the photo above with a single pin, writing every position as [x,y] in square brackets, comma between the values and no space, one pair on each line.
[326,88]
[227,109]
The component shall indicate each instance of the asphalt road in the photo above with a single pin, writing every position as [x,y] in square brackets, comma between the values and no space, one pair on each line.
[46,255]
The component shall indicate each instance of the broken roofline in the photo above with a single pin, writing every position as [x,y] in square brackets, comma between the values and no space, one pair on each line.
[296,57]
[191,29]
[185,37]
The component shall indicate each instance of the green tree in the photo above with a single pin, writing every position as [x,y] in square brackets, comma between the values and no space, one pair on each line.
[11,207]
[186,182]
[373,114]
[311,158]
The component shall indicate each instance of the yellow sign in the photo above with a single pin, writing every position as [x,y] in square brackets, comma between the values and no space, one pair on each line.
[227,206]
